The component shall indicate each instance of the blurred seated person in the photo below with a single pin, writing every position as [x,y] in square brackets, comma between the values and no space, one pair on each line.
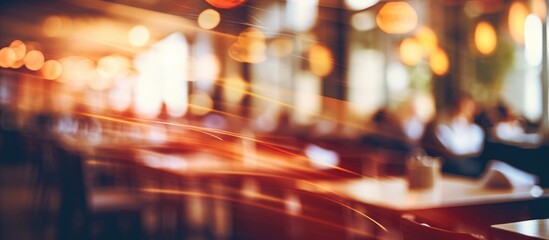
[458,139]
[414,114]
[406,123]
[508,127]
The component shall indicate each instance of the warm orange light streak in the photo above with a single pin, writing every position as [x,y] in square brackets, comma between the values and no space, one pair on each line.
[517,16]
[209,19]
[137,120]
[332,119]
[356,211]
[486,38]
[34,60]
[259,205]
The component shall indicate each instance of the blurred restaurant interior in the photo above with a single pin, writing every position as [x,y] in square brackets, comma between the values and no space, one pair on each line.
[274,119]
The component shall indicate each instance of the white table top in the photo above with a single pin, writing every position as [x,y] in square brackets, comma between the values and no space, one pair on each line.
[538,228]
[393,193]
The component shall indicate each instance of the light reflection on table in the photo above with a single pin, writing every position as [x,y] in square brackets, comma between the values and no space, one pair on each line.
[538,229]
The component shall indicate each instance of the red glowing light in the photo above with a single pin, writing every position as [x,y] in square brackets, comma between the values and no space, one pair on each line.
[226,3]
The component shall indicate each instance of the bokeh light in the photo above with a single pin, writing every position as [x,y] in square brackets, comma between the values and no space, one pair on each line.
[360,4]
[112,66]
[249,47]
[19,48]
[321,60]
[410,51]
[7,57]
[234,89]
[301,15]
[363,21]
[138,36]
[76,71]
[427,38]
[57,26]
[97,82]
[281,47]
[485,38]
[34,60]
[51,70]
[397,18]
[517,15]
[209,19]
[226,3]
[201,103]
[439,62]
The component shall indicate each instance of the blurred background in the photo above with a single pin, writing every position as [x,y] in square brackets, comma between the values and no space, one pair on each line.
[198,119]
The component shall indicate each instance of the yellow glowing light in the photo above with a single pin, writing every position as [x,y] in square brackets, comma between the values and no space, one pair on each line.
[51,70]
[55,26]
[34,60]
[209,19]
[201,103]
[7,57]
[485,38]
[517,15]
[427,39]
[139,36]
[281,47]
[321,60]
[397,18]
[410,51]
[19,48]
[249,47]
[234,90]
[439,62]
[539,7]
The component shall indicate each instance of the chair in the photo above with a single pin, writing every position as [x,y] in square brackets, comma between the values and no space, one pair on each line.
[414,230]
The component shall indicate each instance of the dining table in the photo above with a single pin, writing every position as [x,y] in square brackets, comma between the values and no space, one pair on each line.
[454,202]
